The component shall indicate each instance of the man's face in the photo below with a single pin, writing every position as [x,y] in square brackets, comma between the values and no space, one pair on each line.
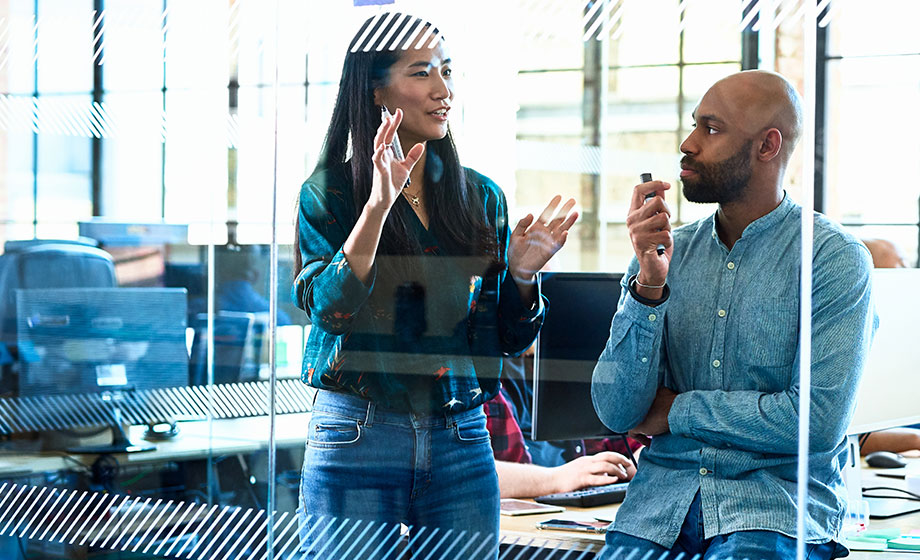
[717,162]
[719,181]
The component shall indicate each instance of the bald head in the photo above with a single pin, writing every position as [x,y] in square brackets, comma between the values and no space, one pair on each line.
[757,100]
[886,254]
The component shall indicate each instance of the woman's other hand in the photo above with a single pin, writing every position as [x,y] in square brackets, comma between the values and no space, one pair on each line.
[533,243]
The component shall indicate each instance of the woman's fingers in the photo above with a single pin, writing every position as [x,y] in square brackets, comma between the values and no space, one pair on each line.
[549,210]
[522,225]
[413,156]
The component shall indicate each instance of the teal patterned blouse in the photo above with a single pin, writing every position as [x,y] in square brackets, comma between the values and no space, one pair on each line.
[428,332]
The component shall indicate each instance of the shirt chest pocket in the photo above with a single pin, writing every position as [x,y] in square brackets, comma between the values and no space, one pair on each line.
[767,332]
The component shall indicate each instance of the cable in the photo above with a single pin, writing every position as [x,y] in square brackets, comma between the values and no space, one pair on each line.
[910,495]
[862,439]
[629,450]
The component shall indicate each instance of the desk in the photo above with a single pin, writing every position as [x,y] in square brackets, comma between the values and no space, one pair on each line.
[521,530]
[196,440]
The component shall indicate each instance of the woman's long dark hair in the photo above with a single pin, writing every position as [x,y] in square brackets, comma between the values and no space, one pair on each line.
[455,208]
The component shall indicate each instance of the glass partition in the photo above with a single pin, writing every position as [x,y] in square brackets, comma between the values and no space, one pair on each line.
[207,352]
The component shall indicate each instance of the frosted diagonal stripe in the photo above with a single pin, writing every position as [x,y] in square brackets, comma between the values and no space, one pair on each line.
[174,527]
[32,489]
[375,37]
[231,533]
[112,517]
[133,508]
[202,538]
[66,517]
[359,44]
[149,527]
[51,509]
[90,517]
[28,511]
[255,534]
[749,17]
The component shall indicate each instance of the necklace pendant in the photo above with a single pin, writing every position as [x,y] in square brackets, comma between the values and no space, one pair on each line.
[414,199]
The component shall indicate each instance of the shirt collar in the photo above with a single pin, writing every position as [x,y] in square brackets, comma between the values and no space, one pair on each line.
[762,223]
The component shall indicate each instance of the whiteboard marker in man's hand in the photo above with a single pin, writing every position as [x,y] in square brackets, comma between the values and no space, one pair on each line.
[645,178]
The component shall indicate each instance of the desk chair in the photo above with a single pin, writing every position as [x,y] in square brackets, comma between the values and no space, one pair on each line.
[34,264]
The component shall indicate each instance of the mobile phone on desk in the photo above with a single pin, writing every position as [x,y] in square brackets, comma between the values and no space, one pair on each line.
[598,527]
[512,506]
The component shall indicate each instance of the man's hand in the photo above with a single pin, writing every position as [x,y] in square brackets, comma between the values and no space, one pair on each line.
[656,421]
[649,226]
[603,468]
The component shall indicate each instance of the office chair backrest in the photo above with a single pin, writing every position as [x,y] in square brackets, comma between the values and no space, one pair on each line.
[49,265]
[18,245]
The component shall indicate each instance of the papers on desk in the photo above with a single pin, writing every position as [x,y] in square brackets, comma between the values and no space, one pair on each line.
[884,540]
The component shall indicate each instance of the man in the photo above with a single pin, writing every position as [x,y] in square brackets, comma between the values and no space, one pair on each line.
[703,350]
[886,254]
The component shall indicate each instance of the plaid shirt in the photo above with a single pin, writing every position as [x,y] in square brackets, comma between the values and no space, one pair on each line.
[507,438]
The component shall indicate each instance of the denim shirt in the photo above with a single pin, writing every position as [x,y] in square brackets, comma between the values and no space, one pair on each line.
[727,341]
[427,333]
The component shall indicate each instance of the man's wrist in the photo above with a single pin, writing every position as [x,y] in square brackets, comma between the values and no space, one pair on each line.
[648,296]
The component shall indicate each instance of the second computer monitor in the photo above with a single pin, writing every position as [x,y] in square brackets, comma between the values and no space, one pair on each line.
[573,336]
[92,340]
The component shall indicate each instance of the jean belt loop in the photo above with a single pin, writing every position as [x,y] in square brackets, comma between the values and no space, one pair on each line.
[369,419]
[315,394]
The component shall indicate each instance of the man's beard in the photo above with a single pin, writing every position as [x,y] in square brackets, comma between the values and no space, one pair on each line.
[723,182]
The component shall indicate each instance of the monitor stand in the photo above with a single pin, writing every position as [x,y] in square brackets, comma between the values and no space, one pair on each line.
[120,442]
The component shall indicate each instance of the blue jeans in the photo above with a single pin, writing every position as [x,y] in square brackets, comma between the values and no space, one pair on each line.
[367,470]
[691,545]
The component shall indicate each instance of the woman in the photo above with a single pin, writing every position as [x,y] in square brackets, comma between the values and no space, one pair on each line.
[415,287]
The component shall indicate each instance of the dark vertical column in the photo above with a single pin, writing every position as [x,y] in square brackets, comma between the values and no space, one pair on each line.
[591,132]
[820,114]
[96,141]
[750,53]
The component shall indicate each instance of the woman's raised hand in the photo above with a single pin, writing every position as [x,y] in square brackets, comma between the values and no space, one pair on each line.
[533,243]
[390,174]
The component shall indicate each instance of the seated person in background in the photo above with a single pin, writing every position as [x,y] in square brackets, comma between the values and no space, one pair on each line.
[886,254]
[519,478]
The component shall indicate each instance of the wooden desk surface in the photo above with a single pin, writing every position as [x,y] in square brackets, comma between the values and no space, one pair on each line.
[522,529]
[195,441]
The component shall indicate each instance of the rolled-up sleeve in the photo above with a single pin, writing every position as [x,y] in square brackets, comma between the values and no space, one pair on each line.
[326,288]
[630,368]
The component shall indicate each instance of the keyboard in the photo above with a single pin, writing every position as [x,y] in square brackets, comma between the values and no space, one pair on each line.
[588,497]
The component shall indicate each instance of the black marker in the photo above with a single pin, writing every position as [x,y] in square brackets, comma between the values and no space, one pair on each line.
[646,178]
[395,145]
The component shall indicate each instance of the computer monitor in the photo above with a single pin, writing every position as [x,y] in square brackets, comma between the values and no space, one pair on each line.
[574,333]
[105,341]
[887,396]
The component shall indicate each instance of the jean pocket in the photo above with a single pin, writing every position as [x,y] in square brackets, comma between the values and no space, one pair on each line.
[328,431]
[471,431]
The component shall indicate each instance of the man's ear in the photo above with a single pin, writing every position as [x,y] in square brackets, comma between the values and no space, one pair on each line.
[378,101]
[770,145]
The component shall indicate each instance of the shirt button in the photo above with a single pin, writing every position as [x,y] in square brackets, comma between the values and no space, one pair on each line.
[652,317]
[731,266]
[703,471]
[644,360]
[722,313]
[716,363]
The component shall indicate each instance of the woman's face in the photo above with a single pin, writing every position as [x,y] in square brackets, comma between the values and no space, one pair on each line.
[421,85]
